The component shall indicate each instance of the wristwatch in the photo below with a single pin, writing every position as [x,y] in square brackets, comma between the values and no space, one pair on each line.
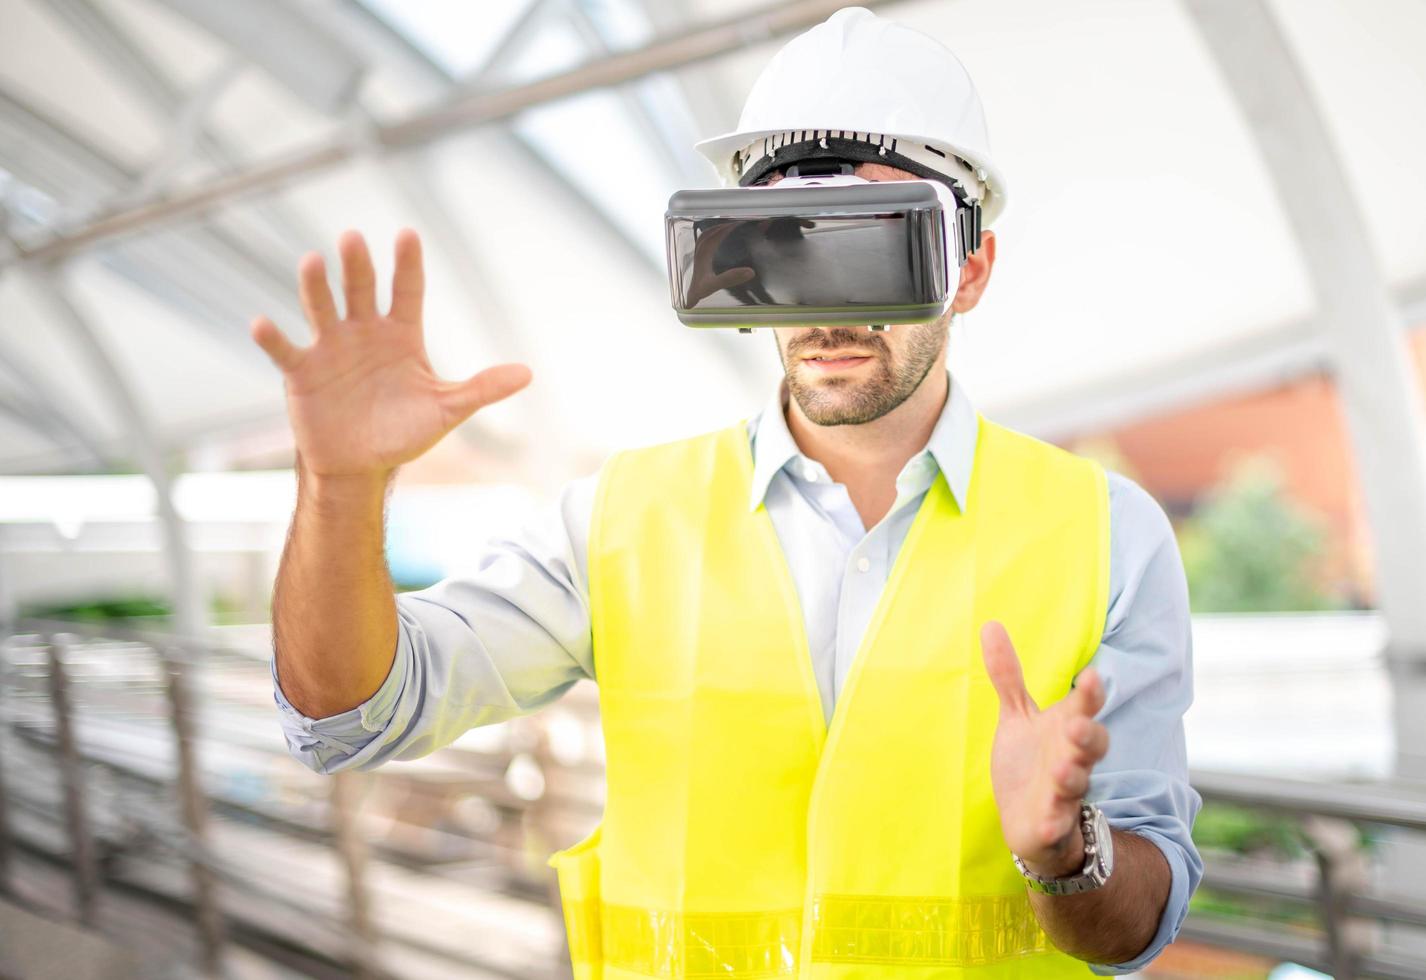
[1098,858]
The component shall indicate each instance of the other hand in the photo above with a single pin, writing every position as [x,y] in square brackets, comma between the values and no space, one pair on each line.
[1041,760]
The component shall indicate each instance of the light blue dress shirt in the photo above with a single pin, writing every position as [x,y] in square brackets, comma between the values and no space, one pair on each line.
[514,634]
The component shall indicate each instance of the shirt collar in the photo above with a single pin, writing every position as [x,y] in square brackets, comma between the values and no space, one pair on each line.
[951,445]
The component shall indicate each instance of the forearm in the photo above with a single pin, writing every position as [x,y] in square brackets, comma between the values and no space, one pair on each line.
[1115,923]
[334,612]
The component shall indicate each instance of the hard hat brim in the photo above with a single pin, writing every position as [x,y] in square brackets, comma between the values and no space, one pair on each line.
[719,150]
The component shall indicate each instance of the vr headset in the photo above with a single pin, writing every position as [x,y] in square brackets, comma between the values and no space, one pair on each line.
[821,247]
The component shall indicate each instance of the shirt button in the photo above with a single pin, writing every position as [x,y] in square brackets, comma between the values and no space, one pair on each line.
[810,474]
[863,564]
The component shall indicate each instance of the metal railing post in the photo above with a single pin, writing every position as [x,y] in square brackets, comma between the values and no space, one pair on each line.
[194,805]
[539,829]
[1340,876]
[344,802]
[71,770]
[5,859]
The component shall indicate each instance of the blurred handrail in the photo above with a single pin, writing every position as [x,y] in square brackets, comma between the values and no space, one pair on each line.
[116,630]
[1336,890]
[1340,889]
[283,825]
[1396,804]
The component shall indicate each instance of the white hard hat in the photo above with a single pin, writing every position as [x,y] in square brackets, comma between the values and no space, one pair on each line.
[896,92]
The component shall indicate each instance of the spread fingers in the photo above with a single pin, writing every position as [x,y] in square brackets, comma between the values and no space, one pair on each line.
[315,294]
[358,276]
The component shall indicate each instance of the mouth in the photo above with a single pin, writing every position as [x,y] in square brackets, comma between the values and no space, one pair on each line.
[835,360]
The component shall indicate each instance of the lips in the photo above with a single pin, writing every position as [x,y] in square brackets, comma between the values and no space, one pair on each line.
[830,365]
[835,356]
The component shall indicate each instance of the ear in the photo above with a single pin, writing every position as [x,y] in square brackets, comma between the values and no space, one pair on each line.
[975,274]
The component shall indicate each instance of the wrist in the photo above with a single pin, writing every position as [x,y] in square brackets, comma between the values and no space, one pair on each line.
[1066,859]
[343,488]
[1096,846]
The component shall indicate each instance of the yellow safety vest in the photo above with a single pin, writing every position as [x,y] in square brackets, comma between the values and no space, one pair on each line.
[743,836]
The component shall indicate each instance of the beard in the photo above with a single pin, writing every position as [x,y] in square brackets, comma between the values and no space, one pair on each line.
[845,400]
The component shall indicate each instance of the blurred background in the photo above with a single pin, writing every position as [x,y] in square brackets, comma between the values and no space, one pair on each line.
[1211,277]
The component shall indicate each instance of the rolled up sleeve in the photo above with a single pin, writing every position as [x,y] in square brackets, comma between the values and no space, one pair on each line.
[504,639]
[1146,660]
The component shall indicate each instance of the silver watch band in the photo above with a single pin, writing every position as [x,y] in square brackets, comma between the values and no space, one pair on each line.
[1098,858]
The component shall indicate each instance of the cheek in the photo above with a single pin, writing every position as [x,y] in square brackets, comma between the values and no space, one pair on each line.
[896,341]
[914,342]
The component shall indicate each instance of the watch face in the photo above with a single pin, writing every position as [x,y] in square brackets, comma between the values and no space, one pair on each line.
[1104,842]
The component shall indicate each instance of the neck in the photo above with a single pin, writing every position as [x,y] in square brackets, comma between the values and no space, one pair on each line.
[868,457]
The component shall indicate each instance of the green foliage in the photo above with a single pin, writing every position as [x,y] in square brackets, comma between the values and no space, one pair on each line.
[1224,827]
[1217,903]
[100,610]
[1210,902]
[1250,548]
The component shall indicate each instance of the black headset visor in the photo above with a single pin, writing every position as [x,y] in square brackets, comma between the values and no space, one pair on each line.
[864,253]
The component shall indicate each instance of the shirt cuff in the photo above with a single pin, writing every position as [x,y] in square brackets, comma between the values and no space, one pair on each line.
[1175,910]
[324,745]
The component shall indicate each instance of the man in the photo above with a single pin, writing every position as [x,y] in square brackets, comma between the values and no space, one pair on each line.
[825,754]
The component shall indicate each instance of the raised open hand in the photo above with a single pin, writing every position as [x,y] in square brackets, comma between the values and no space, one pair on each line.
[363,398]
[1041,760]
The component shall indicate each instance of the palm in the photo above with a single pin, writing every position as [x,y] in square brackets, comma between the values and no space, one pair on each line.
[363,397]
[365,394]
[1017,761]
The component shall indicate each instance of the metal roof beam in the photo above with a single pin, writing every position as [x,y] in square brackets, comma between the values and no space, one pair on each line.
[48,155]
[519,34]
[202,270]
[633,104]
[713,108]
[1359,321]
[113,43]
[30,416]
[1360,325]
[512,42]
[282,39]
[1276,355]
[46,411]
[733,348]
[461,111]
[190,612]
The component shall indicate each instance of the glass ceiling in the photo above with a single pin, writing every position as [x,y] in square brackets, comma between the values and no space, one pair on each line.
[626,150]
[1135,271]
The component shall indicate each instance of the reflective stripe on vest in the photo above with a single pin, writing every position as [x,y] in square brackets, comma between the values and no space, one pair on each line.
[743,836]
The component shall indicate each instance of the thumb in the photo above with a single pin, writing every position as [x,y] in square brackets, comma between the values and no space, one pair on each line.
[1003,666]
[282,351]
[461,398]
